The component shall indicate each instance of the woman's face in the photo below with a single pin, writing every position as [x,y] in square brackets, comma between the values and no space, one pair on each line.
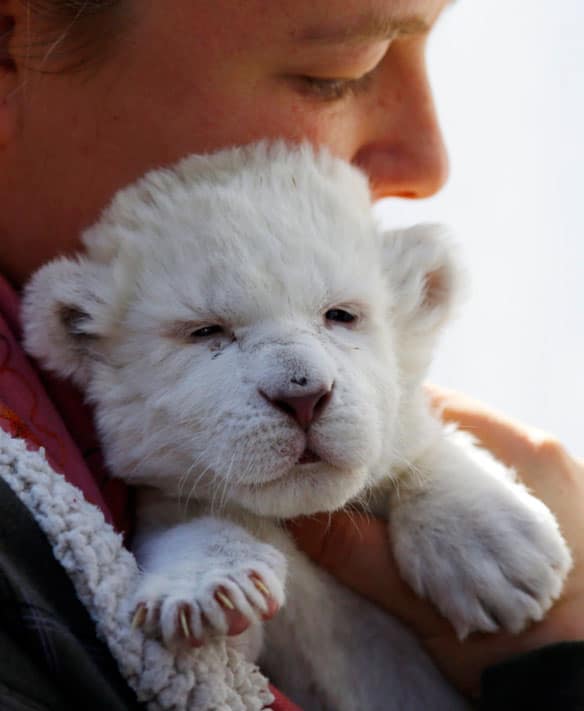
[191,76]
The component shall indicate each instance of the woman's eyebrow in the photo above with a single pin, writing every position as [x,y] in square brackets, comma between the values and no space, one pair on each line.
[363,28]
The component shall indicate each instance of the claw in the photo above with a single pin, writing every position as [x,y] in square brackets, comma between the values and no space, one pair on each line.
[139,617]
[260,585]
[224,600]
[184,623]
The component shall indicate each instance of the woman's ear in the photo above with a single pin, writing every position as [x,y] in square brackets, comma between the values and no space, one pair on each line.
[67,314]
[8,71]
[426,282]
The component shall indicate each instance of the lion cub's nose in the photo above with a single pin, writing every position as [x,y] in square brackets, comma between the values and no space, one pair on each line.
[303,408]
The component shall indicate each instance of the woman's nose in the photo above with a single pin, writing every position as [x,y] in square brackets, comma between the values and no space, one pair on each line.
[403,150]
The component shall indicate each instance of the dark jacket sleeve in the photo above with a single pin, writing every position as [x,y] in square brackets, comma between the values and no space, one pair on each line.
[50,657]
[547,679]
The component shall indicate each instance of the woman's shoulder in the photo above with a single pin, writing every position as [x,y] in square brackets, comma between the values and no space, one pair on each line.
[50,414]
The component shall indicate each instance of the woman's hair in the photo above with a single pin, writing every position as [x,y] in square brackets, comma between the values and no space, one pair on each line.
[69,34]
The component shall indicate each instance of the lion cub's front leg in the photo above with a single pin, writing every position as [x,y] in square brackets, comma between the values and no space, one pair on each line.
[472,540]
[203,578]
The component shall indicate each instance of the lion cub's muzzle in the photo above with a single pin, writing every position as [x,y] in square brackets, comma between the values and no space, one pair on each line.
[304,409]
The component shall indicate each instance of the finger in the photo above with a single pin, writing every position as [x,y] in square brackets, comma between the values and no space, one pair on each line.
[513,443]
[355,549]
[237,622]
[541,462]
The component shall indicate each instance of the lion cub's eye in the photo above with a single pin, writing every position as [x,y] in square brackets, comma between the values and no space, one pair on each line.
[340,316]
[207,331]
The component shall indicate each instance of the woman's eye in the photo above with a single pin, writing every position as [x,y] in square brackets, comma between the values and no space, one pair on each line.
[328,89]
[207,331]
[334,89]
[340,316]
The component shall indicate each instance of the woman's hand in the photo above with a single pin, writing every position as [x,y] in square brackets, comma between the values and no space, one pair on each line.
[355,548]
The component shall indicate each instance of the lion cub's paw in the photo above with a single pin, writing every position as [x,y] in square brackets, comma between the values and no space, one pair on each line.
[212,599]
[495,566]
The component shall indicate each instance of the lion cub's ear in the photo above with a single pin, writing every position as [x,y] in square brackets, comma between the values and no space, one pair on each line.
[426,281]
[66,314]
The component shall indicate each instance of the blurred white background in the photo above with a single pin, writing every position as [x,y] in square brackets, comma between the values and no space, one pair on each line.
[509,84]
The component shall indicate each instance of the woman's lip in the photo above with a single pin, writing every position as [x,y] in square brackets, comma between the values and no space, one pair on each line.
[308,457]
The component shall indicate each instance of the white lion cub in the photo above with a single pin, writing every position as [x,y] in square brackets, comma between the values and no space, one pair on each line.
[254,348]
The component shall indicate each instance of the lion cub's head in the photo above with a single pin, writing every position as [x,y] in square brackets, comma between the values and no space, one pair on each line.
[245,331]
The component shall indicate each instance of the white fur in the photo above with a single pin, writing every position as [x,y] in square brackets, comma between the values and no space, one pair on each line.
[263,241]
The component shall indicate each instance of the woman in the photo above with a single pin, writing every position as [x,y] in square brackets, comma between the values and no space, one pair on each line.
[93,93]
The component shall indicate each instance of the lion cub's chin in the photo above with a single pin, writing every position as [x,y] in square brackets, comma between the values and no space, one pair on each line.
[305,489]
